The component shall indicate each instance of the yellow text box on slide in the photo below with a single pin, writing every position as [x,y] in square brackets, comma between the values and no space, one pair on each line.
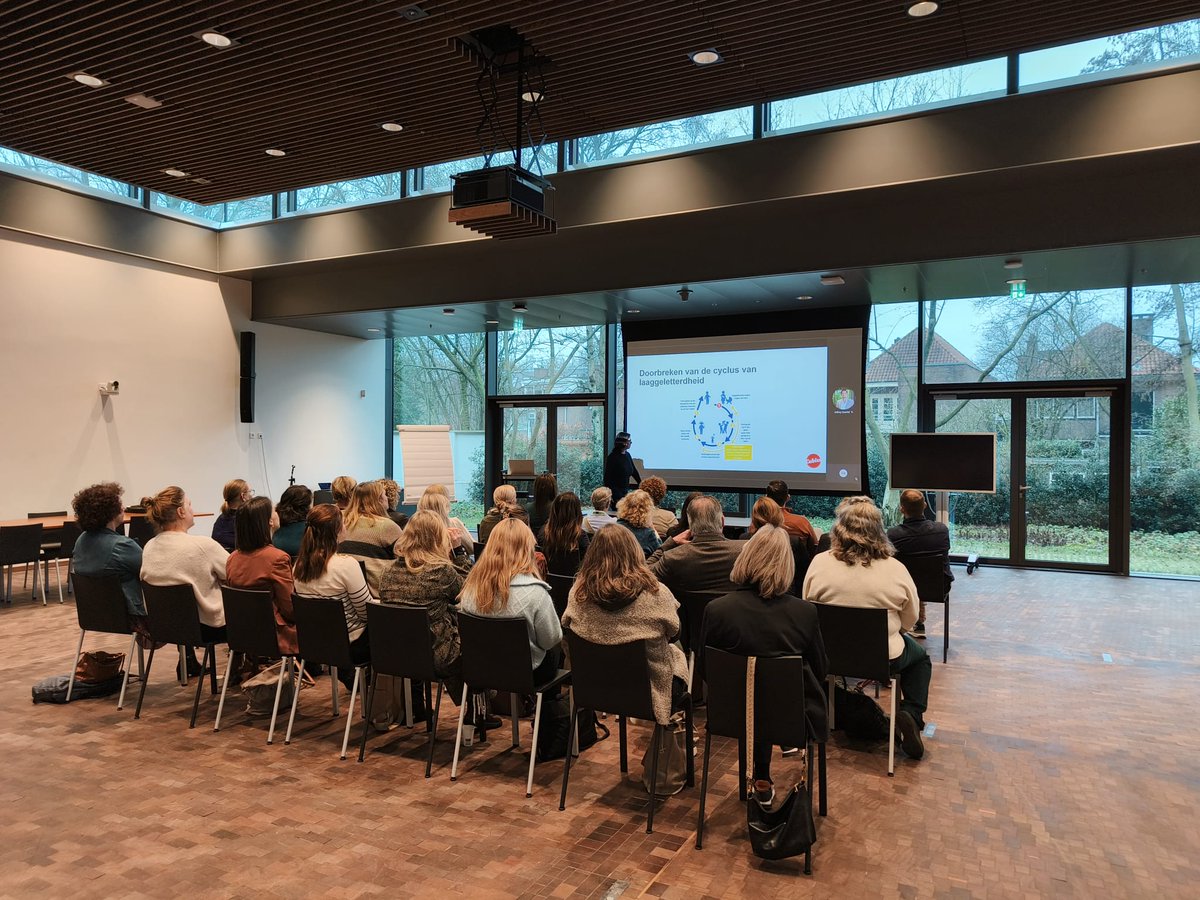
[743,452]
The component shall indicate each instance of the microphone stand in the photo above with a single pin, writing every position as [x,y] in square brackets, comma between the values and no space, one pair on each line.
[292,477]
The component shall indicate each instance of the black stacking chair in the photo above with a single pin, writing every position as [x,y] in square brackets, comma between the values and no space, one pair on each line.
[100,608]
[51,548]
[402,647]
[174,618]
[478,550]
[67,536]
[779,717]
[322,497]
[324,639]
[495,656]
[560,587]
[22,544]
[929,575]
[141,530]
[616,678]
[856,643]
[250,631]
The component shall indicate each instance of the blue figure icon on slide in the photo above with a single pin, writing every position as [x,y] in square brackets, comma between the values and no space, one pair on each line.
[714,424]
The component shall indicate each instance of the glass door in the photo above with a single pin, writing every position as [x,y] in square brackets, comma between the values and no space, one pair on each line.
[563,438]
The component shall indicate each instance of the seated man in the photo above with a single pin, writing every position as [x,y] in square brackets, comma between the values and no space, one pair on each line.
[792,523]
[695,565]
[919,536]
[859,570]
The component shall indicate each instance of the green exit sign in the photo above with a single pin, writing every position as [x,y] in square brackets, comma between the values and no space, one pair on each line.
[1016,289]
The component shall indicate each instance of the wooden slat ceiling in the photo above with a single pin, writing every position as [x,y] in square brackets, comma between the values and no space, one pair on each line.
[318,78]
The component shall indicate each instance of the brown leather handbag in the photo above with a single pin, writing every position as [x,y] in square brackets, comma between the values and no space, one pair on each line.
[95,666]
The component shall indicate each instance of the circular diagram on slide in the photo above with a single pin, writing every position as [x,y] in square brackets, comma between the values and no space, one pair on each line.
[715,420]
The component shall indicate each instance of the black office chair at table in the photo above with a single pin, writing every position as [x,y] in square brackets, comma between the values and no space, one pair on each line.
[174,618]
[616,679]
[929,575]
[22,544]
[250,632]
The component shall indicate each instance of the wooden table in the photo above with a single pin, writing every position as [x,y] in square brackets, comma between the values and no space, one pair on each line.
[50,523]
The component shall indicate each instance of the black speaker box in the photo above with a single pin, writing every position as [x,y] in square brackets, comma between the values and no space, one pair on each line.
[246,382]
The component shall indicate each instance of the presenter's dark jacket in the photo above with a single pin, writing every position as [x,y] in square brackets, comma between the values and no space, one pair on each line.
[747,624]
[697,573]
[920,537]
[618,468]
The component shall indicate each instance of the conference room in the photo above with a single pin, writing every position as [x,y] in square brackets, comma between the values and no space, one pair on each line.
[254,260]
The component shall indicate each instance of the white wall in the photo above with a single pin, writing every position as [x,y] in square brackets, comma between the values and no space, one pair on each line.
[71,318]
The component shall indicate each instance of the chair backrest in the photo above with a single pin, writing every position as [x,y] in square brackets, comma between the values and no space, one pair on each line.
[928,574]
[611,677]
[478,548]
[322,497]
[779,702]
[856,640]
[520,467]
[250,622]
[495,653]
[100,604]
[46,515]
[141,530]
[20,543]
[321,631]
[401,641]
[560,587]
[174,617]
[67,536]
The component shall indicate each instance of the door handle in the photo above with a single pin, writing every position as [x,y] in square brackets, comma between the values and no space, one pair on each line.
[1023,488]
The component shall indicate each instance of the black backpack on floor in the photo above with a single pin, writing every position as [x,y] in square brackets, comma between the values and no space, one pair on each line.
[54,689]
[858,715]
[555,728]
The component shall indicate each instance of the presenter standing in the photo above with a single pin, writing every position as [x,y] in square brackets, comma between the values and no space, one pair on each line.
[619,467]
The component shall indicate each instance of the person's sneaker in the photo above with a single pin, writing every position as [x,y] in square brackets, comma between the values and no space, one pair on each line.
[764,793]
[910,735]
[918,631]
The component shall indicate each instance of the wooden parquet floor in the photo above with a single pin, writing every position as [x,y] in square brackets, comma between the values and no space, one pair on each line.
[1052,772]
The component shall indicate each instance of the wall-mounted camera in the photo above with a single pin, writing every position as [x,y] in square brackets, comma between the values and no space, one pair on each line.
[109,388]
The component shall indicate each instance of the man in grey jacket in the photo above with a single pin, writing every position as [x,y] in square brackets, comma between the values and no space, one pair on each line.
[695,565]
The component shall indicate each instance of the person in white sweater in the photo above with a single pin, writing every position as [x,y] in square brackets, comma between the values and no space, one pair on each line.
[505,582]
[175,557]
[860,570]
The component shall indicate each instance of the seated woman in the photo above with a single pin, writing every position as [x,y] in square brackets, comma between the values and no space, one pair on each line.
[321,572]
[342,489]
[235,493]
[504,582]
[370,534]
[767,512]
[663,519]
[601,515]
[391,491]
[103,550]
[545,489]
[436,499]
[634,511]
[504,498]
[682,525]
[616,600]
[860,569]
[761,618]
[175,557]
[292,511]
[257,565]
[563,539]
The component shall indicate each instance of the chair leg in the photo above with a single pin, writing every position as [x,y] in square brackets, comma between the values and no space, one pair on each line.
[333,683]
[831,707]
[690,750]
[285,668]
[224,689]
[742,769]
[514,701]
[624,745]
[137,713]
[182,671]
[128,666]
[58,578]
[212,673]
[429,704]
[946,628]
[210,653]
[703,789]
[892,733]
[537,722]
[287,738]
[358,670]
[562,800]
[362,748]
[74,663]
[655,749]
[408,702]
[435,709]
[823,802]
[462,713]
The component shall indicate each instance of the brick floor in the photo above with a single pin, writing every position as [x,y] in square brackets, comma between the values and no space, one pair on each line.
[1051,772]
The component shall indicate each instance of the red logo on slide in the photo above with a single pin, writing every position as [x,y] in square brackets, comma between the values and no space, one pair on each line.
[814,460]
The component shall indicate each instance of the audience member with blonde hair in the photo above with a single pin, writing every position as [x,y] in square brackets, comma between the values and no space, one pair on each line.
[663,519]
[438,501]
[860,570]
[616,599]
[504,506]
[343,489]
[235,494]
[767,512]
[602,514]
[763,618]
[505,582]
[370,534]
[635,511]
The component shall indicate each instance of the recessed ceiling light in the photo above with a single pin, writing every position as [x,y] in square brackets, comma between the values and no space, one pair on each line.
[684,292]
[90,80]
[175,173]
[216,39]
[413,12]
[1015,281]
[143,101]
[804,297]
[519,307]
[1013,263]
[275,151]
[202,180]
[532,96]
[706,57]
[634,311]
[393,127]
[373,330]
[832,280]
[922,9]
[448,311]
[493,321]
